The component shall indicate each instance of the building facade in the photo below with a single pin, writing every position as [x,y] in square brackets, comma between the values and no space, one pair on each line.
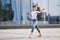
[20,8]
[6,10]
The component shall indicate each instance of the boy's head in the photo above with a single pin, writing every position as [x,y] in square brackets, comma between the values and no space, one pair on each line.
[34,7]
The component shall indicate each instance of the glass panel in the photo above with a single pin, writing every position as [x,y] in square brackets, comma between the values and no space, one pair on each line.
[7,11]
[51,15]
[54,11]
[16,10]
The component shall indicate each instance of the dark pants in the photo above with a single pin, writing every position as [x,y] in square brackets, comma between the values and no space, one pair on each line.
[34,22]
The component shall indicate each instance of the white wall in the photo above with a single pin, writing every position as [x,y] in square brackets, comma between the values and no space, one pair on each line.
[54,8]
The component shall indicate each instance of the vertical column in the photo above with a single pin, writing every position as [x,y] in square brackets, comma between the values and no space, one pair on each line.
[18,10]
[14,10]
[45,5]
[25,9]
[31,4]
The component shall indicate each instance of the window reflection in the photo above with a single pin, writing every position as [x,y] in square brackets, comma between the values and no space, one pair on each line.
[6,10]
[18,11]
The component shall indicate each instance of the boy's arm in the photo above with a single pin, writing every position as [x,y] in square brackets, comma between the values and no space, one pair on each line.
[40,11]
[30,16]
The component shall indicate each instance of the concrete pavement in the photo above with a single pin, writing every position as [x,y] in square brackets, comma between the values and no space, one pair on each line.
[13,25]
[23,34]
[19,26]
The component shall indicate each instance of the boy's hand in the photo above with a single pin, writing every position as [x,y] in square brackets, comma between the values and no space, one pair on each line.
[43,9]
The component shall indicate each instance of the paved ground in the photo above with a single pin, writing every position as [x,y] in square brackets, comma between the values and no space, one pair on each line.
[23,34]
[21,26]
[13,25]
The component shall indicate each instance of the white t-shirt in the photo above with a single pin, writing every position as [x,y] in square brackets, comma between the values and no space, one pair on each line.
[34,15]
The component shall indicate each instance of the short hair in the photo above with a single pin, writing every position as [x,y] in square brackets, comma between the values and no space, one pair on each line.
[34,6]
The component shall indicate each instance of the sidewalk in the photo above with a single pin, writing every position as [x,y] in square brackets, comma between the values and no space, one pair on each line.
[11,25]
[23,34]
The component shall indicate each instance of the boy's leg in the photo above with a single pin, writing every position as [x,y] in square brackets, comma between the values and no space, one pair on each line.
[37,28]
[32,29]
[38,31]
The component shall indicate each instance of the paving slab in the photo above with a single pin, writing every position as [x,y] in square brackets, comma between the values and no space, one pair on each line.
[23,34]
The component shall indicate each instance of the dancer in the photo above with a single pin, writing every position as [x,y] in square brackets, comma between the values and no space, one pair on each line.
[33,17]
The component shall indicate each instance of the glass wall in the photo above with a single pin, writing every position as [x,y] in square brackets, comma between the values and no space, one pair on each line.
[21,8]
[7,11]
[51,13]
[17,10]
[54,11]
[1,14]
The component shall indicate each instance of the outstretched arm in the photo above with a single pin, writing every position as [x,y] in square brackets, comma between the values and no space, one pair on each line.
[40,11]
